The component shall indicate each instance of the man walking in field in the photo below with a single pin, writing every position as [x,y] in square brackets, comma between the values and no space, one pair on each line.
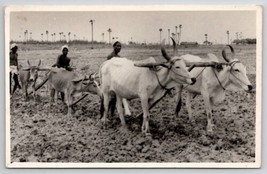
[13,59]
[116,50]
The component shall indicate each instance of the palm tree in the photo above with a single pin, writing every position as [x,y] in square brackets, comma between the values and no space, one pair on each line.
[160,30]
[30,35]
[42,36]
[103,36]
[26,34]
[92,25]
[74,36]
[169,36]
[206,39]
[69,35]
[176,39]
[227,32]
[236,35]
[180,33]
[109,32]
[52,38]
[46,32]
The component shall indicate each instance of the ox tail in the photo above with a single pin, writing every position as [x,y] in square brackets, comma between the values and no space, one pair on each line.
[178,107]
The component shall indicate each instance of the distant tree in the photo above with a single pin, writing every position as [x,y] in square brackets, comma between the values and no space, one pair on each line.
[169,36]
[176,34]
[160,30]
[109,33]
[206,38]
[46,32]
[227,32]
[69,33]
[42,37]
[180,34]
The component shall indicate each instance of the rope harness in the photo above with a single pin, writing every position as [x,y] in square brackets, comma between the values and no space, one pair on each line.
[169,69]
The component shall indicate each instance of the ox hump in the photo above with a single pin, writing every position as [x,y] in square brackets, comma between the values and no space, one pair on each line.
[191,58]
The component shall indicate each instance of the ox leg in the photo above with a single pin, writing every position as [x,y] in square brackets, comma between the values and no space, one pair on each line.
[209,113]
[146,116]
[69,100]
[120,112]
[189,105]
[52,96]
[34,92]
[106,107]
[178,99]
[126,107]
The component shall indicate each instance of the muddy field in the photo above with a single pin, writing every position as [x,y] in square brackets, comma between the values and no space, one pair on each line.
[38,135]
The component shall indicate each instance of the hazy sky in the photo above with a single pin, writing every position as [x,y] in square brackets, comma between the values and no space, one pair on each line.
[141,26]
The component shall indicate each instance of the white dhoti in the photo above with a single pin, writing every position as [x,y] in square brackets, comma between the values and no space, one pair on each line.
[14,70]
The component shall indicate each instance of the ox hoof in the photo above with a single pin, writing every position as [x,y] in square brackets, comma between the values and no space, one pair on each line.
[209,131]
[147,134]
[124,130]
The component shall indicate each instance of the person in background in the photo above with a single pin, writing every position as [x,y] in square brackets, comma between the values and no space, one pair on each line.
[63,61]
[13,59]
[116,50]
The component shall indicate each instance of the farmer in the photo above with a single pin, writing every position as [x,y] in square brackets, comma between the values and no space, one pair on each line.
[63,61]
[13,59]
[116,50]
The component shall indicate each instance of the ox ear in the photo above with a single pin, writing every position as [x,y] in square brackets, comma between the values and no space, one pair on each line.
[227,59]
[77,80]
[92,76]
[39,62]
[28,62]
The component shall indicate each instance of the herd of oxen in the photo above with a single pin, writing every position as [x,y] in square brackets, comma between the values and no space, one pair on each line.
[148,80]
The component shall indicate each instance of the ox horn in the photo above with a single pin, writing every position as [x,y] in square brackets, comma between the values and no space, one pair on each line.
[164,53]
[77,79]
[224,53]
[28,62]
[175,50]
[39,62]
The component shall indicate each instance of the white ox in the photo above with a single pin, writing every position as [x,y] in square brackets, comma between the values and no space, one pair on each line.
[213,82]
[120,77]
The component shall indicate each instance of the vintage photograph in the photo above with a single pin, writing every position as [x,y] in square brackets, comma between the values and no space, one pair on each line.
[126,86]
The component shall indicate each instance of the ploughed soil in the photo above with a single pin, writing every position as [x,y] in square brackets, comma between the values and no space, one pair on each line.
[40,134]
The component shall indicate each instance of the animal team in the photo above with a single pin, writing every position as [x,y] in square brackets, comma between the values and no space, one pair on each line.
[122,79]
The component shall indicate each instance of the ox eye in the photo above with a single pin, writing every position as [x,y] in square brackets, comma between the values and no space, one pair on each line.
[177,67]
[237,70]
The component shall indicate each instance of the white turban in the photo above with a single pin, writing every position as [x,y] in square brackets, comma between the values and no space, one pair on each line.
[64,46]
[13,45]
